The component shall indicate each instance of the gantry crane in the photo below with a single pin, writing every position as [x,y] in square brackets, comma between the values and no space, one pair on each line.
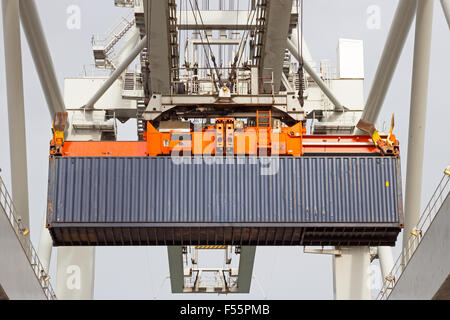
[206,107]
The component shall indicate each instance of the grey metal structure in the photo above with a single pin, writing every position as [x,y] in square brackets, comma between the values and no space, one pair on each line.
[159,43]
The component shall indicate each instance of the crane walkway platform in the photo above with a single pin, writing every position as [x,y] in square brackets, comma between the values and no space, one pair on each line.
[22,276]
[426,274]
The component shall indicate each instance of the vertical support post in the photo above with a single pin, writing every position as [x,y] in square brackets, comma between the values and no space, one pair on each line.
[246,262]
[16,109]
[386,261]
[254,81]
[352,274]
[393,48]
[45,246]
[231,7]
[417,118]
[175,254]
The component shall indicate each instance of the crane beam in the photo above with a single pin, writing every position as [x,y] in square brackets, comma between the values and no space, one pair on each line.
[216,20]
[274,44]
[395,42]
[41,55]
[117,73]
[296,36]
[158,44]
[317,79]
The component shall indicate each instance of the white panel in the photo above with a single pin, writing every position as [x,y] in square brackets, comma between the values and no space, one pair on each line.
[77,92]
[350,92]
[350,59]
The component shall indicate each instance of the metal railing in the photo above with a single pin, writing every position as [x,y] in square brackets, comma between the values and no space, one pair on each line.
[198,81]
[114,34]
[416,235]
[23,236]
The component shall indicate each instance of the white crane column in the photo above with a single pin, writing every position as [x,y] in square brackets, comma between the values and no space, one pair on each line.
[417,118]
[351,274]
[386,261]
[393,48]
[16,110]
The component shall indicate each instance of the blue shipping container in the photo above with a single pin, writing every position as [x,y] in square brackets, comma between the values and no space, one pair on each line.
[237,201]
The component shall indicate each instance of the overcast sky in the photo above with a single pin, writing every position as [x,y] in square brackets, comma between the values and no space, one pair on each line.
[283,272]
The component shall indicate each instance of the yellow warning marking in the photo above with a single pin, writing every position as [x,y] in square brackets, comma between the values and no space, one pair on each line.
[211,247]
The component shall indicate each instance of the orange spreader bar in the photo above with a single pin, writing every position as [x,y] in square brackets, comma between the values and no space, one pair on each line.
[224,139]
